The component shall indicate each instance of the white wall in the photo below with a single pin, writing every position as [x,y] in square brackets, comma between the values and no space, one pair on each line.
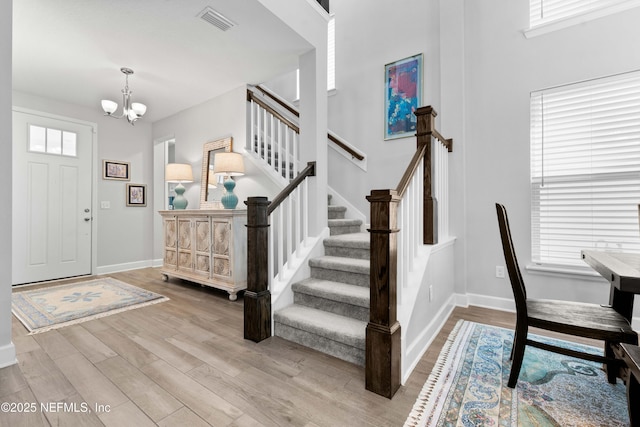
[369,36]
[365,42]
[124,234]
[501,68]
[192,128]
[7,349]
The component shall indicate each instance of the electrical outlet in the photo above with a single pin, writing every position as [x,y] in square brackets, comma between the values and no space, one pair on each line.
[499,271]
[105,204]
[431,293]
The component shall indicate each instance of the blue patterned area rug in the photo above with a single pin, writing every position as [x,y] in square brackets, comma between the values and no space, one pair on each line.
[44,309]
[468,386]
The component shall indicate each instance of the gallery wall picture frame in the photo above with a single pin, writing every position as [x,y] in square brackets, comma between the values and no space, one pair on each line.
[113,169]
[403,95]
[137,195]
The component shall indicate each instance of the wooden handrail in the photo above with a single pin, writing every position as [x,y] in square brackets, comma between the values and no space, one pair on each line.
[310,170]
[280,102]
[335,140]
[345,147]
[411,169]
[448,143]
[252,97]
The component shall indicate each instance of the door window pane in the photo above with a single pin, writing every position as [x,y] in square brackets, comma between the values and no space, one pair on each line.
[37,139]
[69,143]
[54,141]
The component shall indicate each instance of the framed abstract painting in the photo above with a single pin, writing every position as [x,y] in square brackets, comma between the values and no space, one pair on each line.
[403,95]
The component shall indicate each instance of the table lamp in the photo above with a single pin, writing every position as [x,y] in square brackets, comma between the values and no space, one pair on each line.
[179,172]
[229,164]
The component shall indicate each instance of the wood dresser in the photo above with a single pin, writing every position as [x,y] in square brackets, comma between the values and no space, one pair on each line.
[208,247]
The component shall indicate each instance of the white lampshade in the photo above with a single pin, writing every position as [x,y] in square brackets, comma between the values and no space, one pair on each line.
[230,164]
[132,116]
[139,109]
[178,172]
[109,106]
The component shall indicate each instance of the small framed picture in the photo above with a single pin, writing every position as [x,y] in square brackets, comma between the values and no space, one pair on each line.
[116,170]
[136,195]
[403,95]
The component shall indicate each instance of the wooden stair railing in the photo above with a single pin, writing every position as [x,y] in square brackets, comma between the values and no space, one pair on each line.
[257,297]
[252,97]
[383,347]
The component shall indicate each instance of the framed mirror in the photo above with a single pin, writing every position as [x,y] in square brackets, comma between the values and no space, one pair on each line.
[211,188]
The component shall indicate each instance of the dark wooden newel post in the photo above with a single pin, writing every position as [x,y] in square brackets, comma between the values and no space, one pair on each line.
[382,361]
[426,125]
[257,298]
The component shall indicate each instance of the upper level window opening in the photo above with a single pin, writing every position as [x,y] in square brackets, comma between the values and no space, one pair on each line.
[550,15]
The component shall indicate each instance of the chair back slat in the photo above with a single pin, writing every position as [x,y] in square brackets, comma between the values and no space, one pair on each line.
[515,276]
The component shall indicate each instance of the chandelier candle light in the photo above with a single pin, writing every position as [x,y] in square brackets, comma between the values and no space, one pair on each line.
[131,110]
[179,172]
[229,164]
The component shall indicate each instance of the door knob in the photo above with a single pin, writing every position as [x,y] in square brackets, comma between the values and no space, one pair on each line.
[87,219]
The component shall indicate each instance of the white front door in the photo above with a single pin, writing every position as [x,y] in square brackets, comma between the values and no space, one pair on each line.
[52,216]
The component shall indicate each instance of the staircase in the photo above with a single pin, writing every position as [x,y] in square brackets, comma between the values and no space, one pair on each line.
[331,308]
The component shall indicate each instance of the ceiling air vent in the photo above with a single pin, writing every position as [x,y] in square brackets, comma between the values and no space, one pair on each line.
[216,19]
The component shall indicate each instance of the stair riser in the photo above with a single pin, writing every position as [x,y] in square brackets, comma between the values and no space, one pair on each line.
[320,343]
[336,212]
[343,309]
[335,230]
[346,252]
[357,279]
[336,215]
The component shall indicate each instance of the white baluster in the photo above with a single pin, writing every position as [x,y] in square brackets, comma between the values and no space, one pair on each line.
[281,220]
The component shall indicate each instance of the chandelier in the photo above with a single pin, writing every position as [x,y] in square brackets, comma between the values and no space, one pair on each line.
[131,110]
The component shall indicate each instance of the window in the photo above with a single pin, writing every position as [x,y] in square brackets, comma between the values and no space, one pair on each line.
[546,11]
[585,169]
[52,141]
[331,54]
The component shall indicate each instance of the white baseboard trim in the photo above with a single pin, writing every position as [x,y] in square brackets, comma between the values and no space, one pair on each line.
[116,268]
[8,355]
[352,212]
[506,304]
[420,345]
[495,303]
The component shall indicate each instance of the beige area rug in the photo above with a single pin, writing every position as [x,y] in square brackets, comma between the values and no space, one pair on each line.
[44,309]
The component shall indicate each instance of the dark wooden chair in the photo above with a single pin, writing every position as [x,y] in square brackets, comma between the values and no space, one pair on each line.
[571,318]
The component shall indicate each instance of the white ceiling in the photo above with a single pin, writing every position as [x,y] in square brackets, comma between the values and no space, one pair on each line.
[72,50]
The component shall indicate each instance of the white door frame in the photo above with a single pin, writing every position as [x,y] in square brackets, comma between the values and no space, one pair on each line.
[94,173]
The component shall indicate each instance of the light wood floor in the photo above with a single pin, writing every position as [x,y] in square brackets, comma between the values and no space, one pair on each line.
[184,362]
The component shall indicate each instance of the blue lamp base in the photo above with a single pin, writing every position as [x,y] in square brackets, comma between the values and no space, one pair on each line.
[229,200]
[180,202]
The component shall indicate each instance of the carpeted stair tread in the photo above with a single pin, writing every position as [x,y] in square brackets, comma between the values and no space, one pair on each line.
[344,222]
[335,291]
[332,326]
[351,240]
[349,265]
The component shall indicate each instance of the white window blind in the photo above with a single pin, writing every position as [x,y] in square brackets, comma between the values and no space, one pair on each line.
[585,169]
[545,11]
